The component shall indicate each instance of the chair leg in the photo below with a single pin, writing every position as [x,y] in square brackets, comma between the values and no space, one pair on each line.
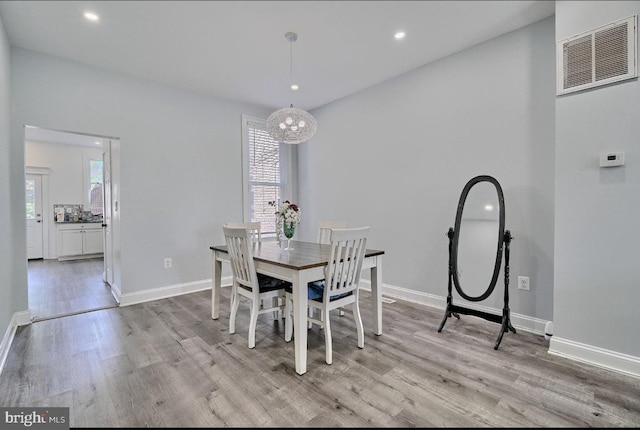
[282,304]
[235,302]
[310,314]
[253,320]
[358,320]
[288,321]
[327,337]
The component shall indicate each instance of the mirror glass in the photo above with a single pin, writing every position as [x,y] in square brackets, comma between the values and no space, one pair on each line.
[478,241]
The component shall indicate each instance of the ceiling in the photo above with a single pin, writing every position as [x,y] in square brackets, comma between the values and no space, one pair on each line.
[237,49]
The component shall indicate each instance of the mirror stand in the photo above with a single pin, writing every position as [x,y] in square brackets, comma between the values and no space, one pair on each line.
[451,309]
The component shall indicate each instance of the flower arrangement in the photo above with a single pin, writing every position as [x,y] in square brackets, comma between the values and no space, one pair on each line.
[287,216]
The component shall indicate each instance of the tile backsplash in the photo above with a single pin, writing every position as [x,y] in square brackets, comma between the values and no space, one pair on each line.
[73,213]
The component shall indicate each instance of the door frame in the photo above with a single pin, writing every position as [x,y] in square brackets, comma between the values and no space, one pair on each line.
[114,150]
[43,172]
[107,217]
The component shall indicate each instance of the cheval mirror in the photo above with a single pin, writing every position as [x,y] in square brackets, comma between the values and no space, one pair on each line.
[476,245]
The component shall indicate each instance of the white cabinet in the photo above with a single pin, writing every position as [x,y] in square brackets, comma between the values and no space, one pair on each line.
[80,240]
[69,242]
[92,241]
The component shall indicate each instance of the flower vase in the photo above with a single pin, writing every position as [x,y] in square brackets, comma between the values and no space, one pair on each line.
[288,229]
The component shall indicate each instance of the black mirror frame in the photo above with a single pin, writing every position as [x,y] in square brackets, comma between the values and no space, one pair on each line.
[503,245]
[499,245]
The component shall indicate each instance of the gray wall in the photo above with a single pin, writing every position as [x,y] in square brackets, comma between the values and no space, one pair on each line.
[180,161]
[9,303]
[597,271]
[397,156]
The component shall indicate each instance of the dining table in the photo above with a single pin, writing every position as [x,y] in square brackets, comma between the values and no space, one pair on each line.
[303,264]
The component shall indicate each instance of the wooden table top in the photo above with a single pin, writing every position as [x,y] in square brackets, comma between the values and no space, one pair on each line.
[304,255]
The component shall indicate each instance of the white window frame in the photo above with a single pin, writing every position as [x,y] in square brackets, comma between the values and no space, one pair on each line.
[287,169]
[87,181]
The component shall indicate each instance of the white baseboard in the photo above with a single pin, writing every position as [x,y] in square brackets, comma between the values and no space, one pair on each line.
[621,363]
[18,319]
[521,322]
[116,293]
[592,355]
[169,291]
[595,356]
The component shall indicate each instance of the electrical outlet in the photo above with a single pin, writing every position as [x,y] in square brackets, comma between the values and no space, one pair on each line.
[167,263]
[523,283]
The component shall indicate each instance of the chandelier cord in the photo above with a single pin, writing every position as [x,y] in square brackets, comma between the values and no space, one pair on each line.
[291,125]
[291,62]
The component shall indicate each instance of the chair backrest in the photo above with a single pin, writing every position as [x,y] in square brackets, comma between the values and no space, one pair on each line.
[343,272]
[241,256]
[254,228]
[324,230]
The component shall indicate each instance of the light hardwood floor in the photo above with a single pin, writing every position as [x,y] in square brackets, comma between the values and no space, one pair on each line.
[166,363]
[59,288]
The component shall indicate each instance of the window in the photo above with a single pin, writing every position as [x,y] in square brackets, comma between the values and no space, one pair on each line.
[95,187]
[266,175]
[31,198]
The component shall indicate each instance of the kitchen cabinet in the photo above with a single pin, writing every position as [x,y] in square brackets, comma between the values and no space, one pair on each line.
[92,241]
[80,240]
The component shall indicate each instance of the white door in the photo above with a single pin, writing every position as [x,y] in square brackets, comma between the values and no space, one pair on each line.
[106,216]
[34,216]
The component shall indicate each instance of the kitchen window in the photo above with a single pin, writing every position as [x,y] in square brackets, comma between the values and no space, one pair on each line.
[31,198]
[96,192]
[267,174]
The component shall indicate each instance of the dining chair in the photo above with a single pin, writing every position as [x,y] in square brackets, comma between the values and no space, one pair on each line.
[340,287]
[247,284]
[255,232]
[324,230]
[324,236]
[255,229]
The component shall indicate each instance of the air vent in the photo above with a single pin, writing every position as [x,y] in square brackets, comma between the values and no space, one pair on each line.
[598,57]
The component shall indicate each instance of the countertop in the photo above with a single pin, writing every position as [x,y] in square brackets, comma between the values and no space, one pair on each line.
[80,222]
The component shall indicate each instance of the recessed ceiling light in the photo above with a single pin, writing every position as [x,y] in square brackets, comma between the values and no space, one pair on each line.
[488,208]
[294,87]
[97,143]
[399,35]
[91,16]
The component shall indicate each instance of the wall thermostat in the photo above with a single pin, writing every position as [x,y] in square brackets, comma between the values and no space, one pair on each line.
[612,159]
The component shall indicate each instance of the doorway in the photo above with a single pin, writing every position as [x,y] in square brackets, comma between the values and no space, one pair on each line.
[60,170]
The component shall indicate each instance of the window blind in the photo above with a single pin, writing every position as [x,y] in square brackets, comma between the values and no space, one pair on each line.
[266,180]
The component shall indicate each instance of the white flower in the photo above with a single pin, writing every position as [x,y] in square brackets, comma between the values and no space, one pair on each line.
[287,213]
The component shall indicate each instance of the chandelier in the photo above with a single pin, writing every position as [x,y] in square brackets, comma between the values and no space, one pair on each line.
[291,125]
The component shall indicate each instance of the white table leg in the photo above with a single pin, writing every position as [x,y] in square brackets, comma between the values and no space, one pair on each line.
[216,281]
[300,296]
[376,295]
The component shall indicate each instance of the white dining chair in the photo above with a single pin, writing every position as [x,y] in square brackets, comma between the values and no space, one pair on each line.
[340,287]
[324,236]
[255,229]
[324,230]
[247,284]
[255,232]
